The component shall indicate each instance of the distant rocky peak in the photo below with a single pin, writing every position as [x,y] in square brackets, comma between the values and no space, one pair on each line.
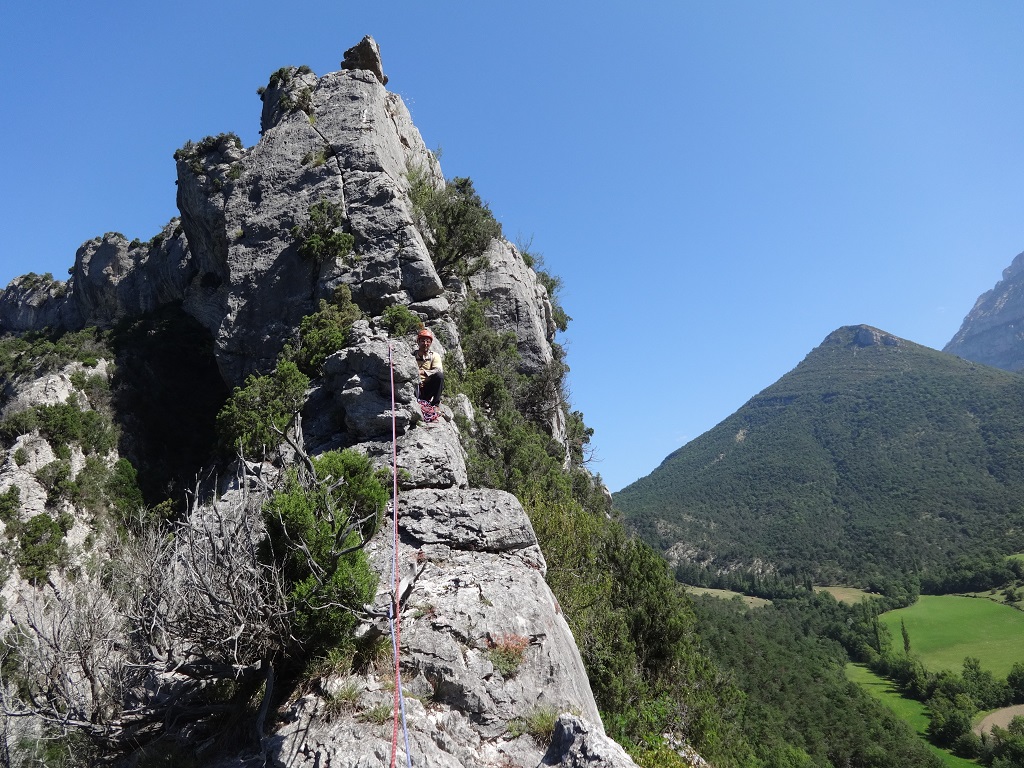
[862,336]
[992,333]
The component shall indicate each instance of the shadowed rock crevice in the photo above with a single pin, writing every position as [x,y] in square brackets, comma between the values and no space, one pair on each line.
[167,392]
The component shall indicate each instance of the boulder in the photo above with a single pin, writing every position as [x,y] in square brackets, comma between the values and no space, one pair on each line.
[365,55]
[576,744]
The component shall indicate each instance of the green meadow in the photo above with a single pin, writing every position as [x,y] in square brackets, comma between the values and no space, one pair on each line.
[728,594]
[848,595]
[913,713]
[943,629]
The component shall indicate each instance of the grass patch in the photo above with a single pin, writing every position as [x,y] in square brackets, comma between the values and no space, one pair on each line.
[944,629]
[913,713]
[728,594]
[538,723]
[848,595]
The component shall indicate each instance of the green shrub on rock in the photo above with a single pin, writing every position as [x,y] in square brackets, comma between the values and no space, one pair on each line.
[318,524]
[324,332]
[321,238]
[255,417]
[400,320]
[40,546]
[460,223]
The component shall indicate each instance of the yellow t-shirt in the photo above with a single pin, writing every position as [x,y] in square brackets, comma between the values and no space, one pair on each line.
[428,363]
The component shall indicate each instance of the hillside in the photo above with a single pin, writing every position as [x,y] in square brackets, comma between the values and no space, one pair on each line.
[874,457]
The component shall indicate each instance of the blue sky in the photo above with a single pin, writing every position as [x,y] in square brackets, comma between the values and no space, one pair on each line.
[719,184]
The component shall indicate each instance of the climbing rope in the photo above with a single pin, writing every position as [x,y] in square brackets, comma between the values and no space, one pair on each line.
[394,609]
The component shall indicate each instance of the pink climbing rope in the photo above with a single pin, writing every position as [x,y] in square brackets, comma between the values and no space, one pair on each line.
[395,608]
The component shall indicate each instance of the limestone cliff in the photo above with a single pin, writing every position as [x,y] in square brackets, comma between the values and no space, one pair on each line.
[993,331]
[472,572]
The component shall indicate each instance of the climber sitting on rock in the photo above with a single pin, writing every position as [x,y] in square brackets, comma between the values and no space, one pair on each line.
[431,373]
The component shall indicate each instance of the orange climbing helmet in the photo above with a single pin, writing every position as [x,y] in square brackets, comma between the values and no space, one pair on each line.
[425,334]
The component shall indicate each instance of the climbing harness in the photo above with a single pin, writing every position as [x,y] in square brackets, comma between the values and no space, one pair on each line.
[394,609]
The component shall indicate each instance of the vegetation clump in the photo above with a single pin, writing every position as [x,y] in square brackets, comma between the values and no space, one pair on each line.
[282,76]
[324,332]
[538,724]
[318,524]
[41,545]
[552,283]
[321,238]
[64,425]
[458,223]
[316,158]
[506,653]
[255,417]
[41,352]
[400,320]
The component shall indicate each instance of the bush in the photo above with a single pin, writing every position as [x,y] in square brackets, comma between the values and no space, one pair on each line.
[10,502]
[320,238]
[506,653]
[207,145]
[40,546]
[123,489]
[458,221]
[317,525]
[91,485]
[255,417]
[56,479]
[539,724]
[324,332]
[400,320]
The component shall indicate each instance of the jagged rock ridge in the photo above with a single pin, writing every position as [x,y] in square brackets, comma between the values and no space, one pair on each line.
[993,331]
[473,572]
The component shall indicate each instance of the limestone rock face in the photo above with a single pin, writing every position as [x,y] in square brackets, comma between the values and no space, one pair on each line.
[862,336]
[33,302]
[112,279]
[341,139]
[993,331]
[483,641]
[517,302]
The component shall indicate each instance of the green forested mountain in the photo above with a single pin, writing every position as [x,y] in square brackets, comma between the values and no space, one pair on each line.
[874,457]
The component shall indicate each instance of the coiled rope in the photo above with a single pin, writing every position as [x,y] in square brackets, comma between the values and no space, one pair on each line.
[394,609]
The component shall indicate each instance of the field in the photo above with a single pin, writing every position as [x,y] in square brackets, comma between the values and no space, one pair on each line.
[943,629]
[849,595]
[725,594]
[911,712]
